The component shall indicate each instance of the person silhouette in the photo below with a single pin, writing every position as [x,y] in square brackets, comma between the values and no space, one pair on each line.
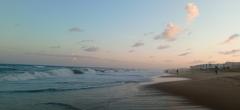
[216,69]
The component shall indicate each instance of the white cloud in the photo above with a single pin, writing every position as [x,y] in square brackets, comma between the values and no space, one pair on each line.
[192,11]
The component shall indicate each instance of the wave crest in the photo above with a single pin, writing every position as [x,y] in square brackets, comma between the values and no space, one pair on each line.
[64,72]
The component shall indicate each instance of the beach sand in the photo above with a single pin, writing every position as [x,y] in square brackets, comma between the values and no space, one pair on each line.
[220,92]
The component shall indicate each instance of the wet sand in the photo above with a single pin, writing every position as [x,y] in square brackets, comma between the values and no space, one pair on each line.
[220,92]
[123,97]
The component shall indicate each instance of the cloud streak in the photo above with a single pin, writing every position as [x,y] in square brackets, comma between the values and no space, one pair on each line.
[192,11]
[163,47]
[170,32]
[184,54]
[138,44]
[234,51]
[75,29]
[231,38]
[91,49]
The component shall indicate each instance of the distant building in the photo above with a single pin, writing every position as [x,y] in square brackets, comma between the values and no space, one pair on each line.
[233,65]
[228,65]
[197,67]
[207,66]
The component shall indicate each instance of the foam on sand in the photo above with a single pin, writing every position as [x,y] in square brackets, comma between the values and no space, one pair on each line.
[165,78]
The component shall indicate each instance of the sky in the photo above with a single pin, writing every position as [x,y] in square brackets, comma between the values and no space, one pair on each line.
[119,33]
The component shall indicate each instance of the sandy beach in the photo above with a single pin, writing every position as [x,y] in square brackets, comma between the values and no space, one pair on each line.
[220,92]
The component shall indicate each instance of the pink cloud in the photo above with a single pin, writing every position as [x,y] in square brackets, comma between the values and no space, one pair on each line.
[170,32]
[192,11]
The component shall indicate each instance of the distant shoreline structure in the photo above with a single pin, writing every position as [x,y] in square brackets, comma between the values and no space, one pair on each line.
[227,66]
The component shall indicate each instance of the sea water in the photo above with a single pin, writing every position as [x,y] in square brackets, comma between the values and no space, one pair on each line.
[31,87]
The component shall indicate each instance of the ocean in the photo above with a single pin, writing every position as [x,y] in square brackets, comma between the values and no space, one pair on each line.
[31,87]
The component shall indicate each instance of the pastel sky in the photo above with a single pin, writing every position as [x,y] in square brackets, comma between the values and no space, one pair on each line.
[119,33]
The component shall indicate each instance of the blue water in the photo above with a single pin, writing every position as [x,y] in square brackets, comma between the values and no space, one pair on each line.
[28,87]
[27,78]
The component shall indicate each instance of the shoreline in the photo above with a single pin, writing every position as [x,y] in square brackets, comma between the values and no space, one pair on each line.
[164,78]
[220,92]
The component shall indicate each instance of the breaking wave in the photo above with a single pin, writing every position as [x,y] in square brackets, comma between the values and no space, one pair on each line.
[37,74]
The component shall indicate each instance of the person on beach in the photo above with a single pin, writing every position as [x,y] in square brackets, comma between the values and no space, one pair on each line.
[216,69]
[177,72]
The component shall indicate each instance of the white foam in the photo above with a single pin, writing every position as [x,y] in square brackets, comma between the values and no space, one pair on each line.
[62,72]
[163,78]
[36,75]
[89,70]
[38,66]
[168,79]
